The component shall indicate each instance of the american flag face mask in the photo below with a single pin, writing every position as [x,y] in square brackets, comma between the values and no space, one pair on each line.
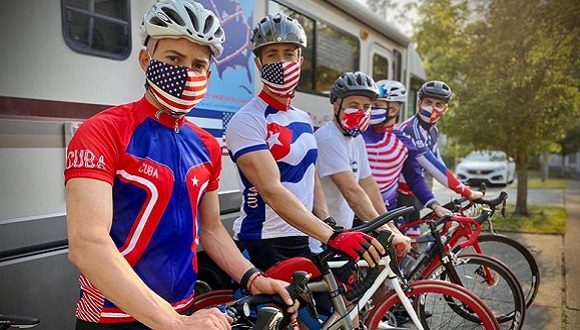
[178,88]
[281,77]
[355,121]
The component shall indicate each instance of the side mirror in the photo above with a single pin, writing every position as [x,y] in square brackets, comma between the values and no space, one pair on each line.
[510,159]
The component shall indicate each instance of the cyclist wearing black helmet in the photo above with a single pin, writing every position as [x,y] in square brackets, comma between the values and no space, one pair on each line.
[422,131]
[342,163]
[275,151]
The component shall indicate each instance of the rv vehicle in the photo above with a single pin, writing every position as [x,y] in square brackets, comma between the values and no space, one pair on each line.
[65,60]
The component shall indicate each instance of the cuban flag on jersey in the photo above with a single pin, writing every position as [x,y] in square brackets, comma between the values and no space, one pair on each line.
[288,136]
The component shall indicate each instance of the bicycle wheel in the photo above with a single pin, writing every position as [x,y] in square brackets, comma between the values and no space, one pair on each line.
[432,300]
[511,252]
[492,282]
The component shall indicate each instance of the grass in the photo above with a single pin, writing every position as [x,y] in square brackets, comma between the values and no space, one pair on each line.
[534,182]
[542,220]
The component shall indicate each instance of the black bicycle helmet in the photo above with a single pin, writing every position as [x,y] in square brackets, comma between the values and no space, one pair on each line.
[435,89]
[354,83]
[277,29]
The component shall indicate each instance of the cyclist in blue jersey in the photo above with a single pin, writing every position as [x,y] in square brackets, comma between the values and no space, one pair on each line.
[390,154]
[421,130]
[141,190]
[342,165]
[273,146]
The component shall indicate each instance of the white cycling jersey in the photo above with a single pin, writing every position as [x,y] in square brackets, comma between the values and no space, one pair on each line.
[338,153]
[265,124]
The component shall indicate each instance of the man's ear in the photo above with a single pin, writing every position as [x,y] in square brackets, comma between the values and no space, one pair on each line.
[143,58]
[301,60]
[335,107]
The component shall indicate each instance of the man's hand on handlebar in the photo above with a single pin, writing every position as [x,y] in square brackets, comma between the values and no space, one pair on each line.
[402,244]
[440,210]
[475,195]
[266,285]
[356,245]
[204,319]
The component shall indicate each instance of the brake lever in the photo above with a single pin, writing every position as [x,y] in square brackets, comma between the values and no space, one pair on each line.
[300,284]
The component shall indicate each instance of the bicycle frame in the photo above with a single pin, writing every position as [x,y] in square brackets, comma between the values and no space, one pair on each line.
[342,317]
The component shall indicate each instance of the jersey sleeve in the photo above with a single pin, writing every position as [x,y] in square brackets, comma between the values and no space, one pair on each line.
[416,181]
[332,156]
[216,161]
[93,152]
[245,133]
[441,173]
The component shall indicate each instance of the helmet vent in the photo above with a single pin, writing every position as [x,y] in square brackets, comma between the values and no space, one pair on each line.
[157,21]
[208,24]
[173,16]
[193,19]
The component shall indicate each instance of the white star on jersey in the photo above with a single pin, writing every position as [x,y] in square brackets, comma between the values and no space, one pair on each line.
[194,181]
[273,139]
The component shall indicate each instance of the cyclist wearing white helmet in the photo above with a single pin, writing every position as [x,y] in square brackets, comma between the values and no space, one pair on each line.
[275,151]
[421,130]
[391,154]
[141,189]
[342,164]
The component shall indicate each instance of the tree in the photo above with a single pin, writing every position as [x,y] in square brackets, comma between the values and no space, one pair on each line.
[380,7]
[513,67]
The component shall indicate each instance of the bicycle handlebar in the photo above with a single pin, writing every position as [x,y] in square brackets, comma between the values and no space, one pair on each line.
[18,321]
[298,290]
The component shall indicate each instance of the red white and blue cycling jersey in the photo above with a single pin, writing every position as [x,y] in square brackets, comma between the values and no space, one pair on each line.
[424,138]
[159,169]
[265,124]
[391,156]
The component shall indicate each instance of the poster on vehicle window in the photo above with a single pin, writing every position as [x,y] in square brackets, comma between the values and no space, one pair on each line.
[231,83]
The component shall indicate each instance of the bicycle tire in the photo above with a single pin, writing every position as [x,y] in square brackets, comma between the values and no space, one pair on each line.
[512,252]
[442,292]
[504,295]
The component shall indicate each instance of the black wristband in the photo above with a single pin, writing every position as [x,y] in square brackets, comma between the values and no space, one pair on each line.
[247,275]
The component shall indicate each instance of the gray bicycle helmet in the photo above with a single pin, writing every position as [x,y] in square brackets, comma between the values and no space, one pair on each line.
[392,91]
[435,89]
[354,83]
[183,19]
[277,29]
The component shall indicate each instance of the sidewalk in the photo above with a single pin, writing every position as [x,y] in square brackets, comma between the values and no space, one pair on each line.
[571,259]
[557,305]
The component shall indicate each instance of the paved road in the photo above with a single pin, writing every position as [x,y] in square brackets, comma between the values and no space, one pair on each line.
[557,305]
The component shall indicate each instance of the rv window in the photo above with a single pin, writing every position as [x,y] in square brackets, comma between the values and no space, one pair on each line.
[380,67]
[97,27]
[397,65]
[330,51]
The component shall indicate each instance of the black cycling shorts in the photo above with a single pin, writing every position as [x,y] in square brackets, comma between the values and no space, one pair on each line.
[410,200]
[265,253]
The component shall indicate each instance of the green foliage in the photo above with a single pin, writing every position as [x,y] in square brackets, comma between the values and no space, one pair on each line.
[542,220]
[512,64]
[514,68]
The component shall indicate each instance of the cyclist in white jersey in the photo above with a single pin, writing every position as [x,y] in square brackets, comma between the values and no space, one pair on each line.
[342,164]
[274,148]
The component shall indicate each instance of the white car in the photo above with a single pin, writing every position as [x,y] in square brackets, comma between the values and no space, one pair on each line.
[490,167]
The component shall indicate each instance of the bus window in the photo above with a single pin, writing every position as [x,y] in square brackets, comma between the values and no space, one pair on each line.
[100,28]
[330,52]
[380,67]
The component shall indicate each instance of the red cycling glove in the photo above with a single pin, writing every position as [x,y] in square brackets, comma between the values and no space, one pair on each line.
[351,244]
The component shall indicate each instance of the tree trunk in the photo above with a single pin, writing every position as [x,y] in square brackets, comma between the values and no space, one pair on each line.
[563,166]
[545,160]
[522,191]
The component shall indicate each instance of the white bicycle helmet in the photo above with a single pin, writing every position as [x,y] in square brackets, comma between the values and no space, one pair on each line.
[183,19]
[392,91]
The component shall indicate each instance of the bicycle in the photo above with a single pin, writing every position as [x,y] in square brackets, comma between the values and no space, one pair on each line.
[478,273]
[17,321]
[258,311]
[429,303]
[502,247]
